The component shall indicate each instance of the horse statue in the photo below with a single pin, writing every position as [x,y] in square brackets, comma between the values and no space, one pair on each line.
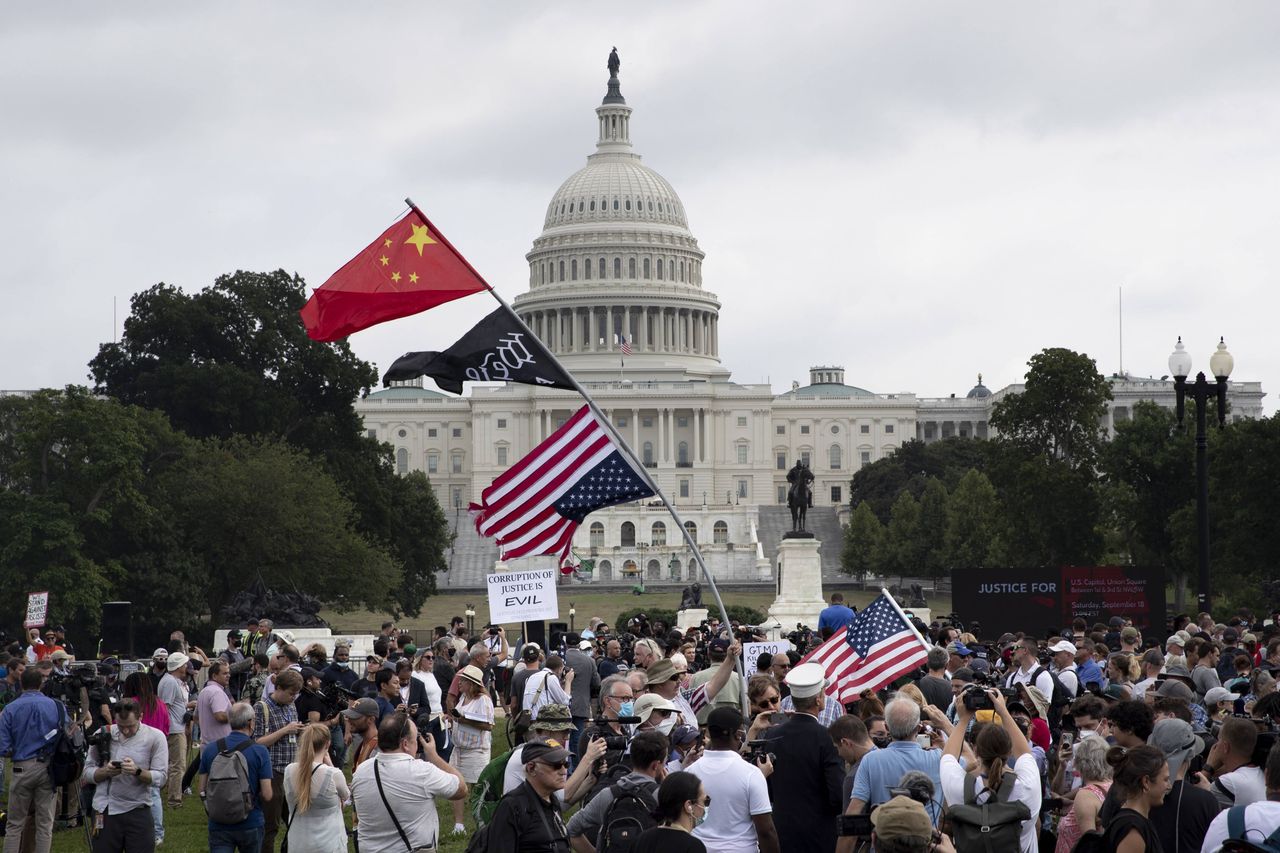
[799,495]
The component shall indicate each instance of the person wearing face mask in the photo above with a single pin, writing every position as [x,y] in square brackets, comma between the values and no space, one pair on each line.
[648,757]
[683,805]
[616,701]
[656,714]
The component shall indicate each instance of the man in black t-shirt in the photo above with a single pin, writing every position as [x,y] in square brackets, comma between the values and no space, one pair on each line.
[309,704]
[528,819]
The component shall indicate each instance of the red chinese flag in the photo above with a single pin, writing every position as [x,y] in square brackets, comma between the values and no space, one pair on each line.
[406,270]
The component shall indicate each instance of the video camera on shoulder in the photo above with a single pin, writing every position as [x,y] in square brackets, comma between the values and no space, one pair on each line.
[758,752]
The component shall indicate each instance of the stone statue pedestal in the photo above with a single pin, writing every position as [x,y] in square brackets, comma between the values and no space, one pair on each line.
[691,618]
[799,584]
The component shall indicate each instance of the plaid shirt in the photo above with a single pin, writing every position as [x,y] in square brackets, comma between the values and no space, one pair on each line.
[267,717]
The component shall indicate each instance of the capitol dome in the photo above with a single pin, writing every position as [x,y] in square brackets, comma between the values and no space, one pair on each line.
[617,264]
[978,391]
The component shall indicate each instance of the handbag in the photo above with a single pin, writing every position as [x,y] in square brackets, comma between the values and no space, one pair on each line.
[524,719]
[289,816]
[426,848]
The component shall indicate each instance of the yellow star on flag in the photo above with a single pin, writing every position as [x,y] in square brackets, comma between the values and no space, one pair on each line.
[420,238]
[395,276]
[387,242]
[413,278]
[384,260]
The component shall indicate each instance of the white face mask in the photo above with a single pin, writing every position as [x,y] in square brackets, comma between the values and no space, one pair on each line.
[667,725]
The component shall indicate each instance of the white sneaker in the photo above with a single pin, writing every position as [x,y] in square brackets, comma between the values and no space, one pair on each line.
[459,829]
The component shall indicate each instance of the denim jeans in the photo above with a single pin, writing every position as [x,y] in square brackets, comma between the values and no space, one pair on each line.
[157,813]
[235,840]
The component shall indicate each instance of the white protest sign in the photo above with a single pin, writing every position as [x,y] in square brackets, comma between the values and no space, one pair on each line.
[37,609]
[523,596]
[751,651]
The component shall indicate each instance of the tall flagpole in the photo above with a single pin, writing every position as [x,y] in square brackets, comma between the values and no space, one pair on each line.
[617,439]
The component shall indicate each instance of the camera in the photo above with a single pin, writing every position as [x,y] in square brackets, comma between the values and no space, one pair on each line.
[856,825]
[758,751]
[335,698]
[101,741]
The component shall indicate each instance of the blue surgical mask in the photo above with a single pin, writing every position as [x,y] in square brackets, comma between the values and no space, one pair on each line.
[627,709]
[342,664]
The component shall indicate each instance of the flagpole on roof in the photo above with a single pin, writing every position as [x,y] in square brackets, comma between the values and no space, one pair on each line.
[617,438]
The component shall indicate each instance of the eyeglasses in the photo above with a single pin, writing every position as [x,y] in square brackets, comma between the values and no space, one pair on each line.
[559,765]
[772,700]
[706,801]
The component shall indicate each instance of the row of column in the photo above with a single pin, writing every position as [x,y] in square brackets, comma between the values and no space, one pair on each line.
[666,447]
[593,329]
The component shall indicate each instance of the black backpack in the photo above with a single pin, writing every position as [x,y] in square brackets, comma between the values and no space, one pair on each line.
[630,814]
[1057,702]
[65,762]
[993,827]
[1093,841]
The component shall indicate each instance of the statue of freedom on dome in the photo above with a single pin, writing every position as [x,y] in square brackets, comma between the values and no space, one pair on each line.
[614,62]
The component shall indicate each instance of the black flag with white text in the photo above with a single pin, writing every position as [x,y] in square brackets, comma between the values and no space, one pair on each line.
[497,349]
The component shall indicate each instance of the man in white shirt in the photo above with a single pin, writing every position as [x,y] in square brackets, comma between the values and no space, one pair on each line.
[1064,666]
[543,688]
[172,691]
[1260,819]
[742,821]
[1029,670]
[410,786]
[1152,666]
[554,723]
[1237,781]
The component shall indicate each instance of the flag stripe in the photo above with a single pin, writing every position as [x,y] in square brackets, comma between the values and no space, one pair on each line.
[891,647]
[534,507]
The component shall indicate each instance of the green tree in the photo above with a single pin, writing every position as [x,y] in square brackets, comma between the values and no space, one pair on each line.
[973,519]
[1148,471]
[1059,411]
[234,360]
[1052,512]
[904,549]
[862,542]
[933,527]
[911,466]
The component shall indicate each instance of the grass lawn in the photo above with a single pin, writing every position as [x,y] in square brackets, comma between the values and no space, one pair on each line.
[588,602]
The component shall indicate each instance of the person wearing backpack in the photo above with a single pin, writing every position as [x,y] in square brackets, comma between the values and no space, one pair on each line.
[1029,671]
[135,762]
[993,807]
[234,782]
[23,726]
[1256,821]
[612,821]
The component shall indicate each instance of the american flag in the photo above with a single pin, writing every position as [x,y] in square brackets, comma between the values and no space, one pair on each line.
[534,506]
[878,646]
[626,346]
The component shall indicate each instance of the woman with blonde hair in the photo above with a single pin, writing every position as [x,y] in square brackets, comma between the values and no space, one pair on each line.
[314,793]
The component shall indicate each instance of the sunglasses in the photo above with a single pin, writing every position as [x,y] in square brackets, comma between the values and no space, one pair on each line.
[428,657]
[559,765]
[706,801]
[773,700]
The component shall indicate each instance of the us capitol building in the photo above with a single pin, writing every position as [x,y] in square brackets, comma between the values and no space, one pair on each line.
[616,259]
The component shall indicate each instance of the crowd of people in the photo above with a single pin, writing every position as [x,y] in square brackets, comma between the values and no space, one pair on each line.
[645,738]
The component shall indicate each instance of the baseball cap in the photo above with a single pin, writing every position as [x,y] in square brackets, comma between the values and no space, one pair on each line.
[719,644]
[964,674]
[310,672]
[1130,634]
[160,654]
[365,707]
[373,659]
[584,646]
[550,751]
[176,661]
[1116,621]
[1176,690]
[1219,694]
[530,653]
[902,816]
[650,702]
[724,721]
[1177,741]
[1230,635]
[959,648]
[1063,646]
[1175,640]
[554,717]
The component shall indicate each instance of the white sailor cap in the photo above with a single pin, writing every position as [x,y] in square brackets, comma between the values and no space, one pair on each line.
[806,680]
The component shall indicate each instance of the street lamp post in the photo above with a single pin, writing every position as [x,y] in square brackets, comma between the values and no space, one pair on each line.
[1220,365]
[471,620]
[573,611]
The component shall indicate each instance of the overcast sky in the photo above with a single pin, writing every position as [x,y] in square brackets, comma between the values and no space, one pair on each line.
[916,191]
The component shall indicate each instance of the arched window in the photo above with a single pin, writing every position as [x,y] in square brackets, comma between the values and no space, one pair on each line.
[693,530]
[597,535]
[573,269]
[586,268]
[630,569]
[602,268]
[628,204]
[402,461]
[836,457]
[646,267]
[593,205]
[660,276]
[562,270]
[720,533]
[648,453]
[628,535]
[658,536]
[655,570]
[615,204]
[683,453]
[631,267]
[617,267]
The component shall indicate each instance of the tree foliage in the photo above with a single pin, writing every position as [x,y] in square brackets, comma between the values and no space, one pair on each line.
[862,542]
[974,518]
[234,361]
